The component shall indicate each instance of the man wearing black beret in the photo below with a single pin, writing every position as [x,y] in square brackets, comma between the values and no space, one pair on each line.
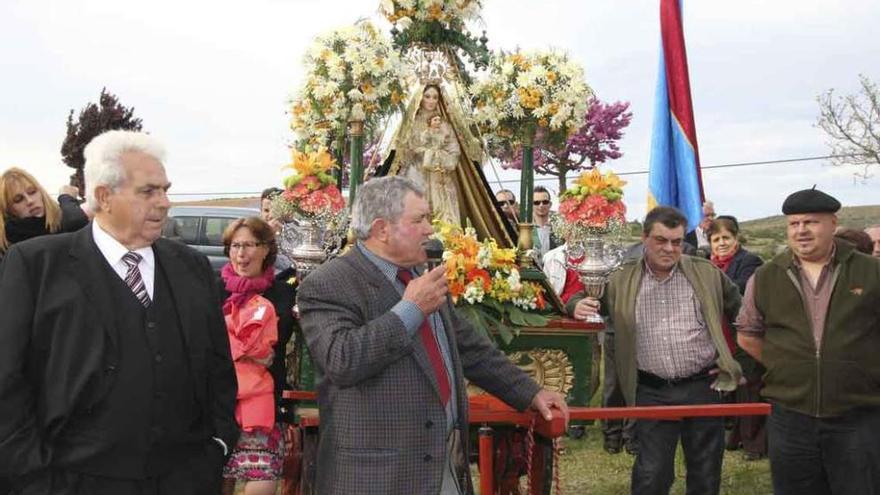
[811,317]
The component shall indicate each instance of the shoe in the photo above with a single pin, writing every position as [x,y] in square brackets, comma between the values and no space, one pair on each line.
[753,456]
[632,447]
[612,445]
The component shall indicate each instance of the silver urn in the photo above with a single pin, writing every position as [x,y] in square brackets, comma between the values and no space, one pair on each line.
[302,242]
[594,261]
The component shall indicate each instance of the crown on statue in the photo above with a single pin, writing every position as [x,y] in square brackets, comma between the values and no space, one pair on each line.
[431,67]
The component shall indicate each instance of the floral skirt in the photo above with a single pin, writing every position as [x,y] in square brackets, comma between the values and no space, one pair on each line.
[258,456]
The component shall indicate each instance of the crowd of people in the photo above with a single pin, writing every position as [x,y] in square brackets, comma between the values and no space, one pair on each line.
[126,367]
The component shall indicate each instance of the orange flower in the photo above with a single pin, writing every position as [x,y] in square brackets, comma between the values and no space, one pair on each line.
[456,289]
[481,275]
[539,299]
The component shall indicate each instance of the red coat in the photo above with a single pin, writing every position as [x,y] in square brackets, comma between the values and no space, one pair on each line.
[253,330]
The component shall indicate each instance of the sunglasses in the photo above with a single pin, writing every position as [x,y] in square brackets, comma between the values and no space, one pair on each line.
[541,202]
[509,202]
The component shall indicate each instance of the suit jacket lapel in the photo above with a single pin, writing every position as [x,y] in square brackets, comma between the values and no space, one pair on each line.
[180,284]
[89,266]
[387,298]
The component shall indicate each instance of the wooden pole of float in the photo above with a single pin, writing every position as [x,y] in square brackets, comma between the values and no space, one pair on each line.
[340,159]
[487,455]
[356,178]
[526,187]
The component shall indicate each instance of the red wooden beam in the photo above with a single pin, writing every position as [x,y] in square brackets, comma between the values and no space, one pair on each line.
[487,410]
[487,455]
[671,412]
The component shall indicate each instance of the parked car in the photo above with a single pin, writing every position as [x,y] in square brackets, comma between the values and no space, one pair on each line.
[201,228]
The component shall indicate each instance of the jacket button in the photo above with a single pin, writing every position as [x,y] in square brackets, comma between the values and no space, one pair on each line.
[151,325]
[158,358]
[429,424]
[428,457]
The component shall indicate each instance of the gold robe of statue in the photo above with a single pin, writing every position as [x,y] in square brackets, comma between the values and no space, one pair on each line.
[460,179]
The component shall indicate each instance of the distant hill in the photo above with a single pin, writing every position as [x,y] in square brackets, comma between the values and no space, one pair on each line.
[766,236]
[253,202]
[857,217]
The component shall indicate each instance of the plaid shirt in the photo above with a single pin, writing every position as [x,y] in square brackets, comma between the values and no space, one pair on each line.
[671,334]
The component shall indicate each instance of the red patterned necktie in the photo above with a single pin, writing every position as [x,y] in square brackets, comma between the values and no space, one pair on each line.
[429,340]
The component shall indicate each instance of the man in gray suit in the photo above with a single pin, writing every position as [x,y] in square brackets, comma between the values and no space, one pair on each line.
[392,355]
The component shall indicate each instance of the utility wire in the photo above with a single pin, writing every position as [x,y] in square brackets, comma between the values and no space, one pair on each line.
[556,179]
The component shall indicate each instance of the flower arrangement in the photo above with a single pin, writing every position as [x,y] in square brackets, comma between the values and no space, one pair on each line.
[539,91]
[592,205]
[310,192]
[447,12]
[352,73]
[485,283]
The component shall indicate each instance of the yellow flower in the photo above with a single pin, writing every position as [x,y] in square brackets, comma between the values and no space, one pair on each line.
[593,181]
[613,181]
[307,164]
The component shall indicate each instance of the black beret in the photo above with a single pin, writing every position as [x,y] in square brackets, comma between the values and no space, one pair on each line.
[809,201]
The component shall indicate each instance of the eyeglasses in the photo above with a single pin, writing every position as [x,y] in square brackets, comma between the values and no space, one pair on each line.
[675,243]
[540,202]
[244,246]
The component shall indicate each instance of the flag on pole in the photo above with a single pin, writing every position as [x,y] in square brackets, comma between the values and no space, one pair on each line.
[674,173]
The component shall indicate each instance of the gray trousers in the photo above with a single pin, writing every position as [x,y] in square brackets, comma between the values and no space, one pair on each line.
[614,430]
[702,440]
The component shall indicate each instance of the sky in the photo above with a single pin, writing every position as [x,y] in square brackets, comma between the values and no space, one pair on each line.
[212,81]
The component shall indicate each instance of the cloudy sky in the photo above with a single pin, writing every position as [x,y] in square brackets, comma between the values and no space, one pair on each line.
[211,80]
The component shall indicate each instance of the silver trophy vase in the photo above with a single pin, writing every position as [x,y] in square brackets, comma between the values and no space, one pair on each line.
[599,261]
[302,241]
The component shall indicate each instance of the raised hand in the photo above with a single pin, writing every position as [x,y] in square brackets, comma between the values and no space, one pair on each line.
[428,291]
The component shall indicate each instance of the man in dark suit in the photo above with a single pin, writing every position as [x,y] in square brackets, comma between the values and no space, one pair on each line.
[115,371]
[392,355]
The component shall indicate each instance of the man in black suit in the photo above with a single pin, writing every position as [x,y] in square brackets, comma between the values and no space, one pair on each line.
[115,370]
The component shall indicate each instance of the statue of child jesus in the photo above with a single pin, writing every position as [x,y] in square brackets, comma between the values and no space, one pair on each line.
[438,166]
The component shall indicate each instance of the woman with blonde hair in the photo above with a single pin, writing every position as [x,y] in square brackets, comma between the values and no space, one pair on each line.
[28,211]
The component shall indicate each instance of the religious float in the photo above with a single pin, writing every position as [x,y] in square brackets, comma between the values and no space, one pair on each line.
[434,104]
[432,101]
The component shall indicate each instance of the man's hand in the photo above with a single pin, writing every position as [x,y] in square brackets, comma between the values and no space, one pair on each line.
[545,400]
[585,308]
[428,291]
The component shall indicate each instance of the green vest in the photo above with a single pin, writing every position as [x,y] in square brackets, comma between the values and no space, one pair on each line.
[843,373]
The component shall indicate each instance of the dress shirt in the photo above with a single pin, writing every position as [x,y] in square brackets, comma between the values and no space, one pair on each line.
[113,252]
[816,300]
[672,338]
[543,238]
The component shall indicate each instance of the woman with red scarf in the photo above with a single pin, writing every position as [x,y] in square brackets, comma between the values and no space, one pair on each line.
[259,322]
[739,264]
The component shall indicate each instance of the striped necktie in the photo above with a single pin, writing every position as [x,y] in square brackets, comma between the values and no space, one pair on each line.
[133,278]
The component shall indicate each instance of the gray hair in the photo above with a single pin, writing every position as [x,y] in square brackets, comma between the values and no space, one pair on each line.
[380,198]
[103,159]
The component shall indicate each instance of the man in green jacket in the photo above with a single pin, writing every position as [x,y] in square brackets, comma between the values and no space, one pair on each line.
[812,317]
[670,350]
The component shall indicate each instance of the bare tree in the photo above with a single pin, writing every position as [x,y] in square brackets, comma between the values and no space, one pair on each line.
[852,123]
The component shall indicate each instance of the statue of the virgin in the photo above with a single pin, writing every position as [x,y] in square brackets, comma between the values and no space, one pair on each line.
[443,155]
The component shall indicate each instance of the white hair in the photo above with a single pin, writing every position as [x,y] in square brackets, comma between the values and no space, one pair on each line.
[103,159]
[380,198]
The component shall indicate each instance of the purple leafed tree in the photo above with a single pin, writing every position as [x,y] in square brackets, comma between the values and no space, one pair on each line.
[594,143]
